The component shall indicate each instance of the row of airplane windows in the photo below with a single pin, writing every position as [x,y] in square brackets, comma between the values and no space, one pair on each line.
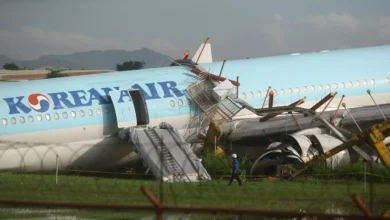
[180,101]
[65,115]
[349,84]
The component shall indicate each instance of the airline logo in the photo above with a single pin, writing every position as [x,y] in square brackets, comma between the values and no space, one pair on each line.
[79,98]
[39,102]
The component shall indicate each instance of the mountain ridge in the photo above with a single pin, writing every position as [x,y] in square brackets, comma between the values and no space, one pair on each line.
[94,59]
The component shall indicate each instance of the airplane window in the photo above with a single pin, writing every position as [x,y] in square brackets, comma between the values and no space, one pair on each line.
[387,80]
[188,101]
[327,86]
[357,83]
[31,118]
[313,87]
[252,94]
[13,120]
[281,91]
[106,110]
[297,89]
[90,112]
[320,87]
[305,88]
[372,81]
[98,111]
[73,113]
[22,120]
[39,117]
[65,115]
[350,84]
[335,85]
[180,102]
[365,82]
[342,85]
[289,90]
[172,103]
[56,116]
[259,93]
[48,117]
[243,95]
[81,113]
[5,122]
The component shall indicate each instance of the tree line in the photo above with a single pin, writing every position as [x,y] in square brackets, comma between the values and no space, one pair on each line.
[125,66]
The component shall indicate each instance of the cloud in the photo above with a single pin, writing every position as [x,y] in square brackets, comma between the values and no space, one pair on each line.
[279,35]
[264,36]
[384,27]
[332,20]
[30,43]
[163,45]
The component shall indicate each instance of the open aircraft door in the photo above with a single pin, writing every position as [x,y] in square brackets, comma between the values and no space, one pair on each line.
[131,108]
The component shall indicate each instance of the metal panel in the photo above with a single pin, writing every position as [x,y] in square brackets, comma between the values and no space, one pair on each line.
[124,109]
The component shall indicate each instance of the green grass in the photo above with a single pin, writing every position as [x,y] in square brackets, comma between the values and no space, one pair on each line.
[218,167]
[353,172]
[320,188]
[222,166]
[9,213]
[308,194]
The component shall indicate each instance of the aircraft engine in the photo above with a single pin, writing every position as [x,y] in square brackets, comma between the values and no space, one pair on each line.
[299,147]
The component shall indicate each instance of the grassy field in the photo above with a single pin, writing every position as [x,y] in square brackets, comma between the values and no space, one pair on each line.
[320,188]
[307,194]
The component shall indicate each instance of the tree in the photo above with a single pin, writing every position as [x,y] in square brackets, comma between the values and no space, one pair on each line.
[55,74]
[130,65]
[10,66]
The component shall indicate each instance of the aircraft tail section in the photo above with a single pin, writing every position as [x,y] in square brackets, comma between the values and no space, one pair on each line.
[204,51]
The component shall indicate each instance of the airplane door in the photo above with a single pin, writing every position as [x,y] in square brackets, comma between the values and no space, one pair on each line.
[140,106]
[130,111]
[124,110]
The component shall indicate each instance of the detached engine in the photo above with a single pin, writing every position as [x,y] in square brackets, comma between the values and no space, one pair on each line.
[300,147]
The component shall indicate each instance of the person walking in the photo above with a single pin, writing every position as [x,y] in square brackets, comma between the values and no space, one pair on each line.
[235,171]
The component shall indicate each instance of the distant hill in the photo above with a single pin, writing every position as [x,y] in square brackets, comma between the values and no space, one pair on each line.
[106,59]
[4,59]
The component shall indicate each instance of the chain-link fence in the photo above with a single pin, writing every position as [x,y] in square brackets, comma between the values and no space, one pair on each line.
[314,193]
[319,191]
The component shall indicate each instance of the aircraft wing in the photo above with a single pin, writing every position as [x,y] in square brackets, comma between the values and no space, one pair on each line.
[202,55]
[286,124]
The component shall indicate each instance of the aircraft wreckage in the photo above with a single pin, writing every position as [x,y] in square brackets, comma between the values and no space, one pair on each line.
[293,144]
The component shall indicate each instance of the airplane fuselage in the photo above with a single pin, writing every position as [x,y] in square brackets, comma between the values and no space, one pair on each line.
[80,111]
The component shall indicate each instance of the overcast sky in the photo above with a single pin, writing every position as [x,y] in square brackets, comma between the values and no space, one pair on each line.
[237,28]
